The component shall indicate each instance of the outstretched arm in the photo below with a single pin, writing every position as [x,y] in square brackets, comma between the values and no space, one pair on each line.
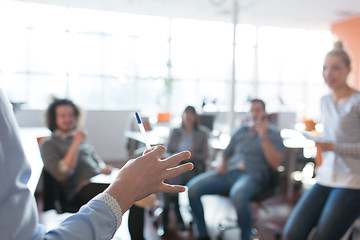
[99,218]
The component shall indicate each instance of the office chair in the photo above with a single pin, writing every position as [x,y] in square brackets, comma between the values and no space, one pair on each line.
[270,190]
[207,120]
[54,196]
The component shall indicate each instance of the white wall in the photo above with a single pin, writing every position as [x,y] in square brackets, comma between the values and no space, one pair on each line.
[30,118]
[105,129]
[106,132]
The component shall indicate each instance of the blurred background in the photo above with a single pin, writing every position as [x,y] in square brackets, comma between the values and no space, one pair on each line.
[159,56]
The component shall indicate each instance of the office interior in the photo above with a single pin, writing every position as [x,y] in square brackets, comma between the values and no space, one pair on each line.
[114,58]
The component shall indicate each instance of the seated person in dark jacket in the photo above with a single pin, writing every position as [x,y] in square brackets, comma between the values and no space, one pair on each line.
[254,151]
[66,154]
[191,137]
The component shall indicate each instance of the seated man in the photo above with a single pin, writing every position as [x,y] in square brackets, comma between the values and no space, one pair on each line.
[253,152]
[72,161]
[98,219]
[67,156]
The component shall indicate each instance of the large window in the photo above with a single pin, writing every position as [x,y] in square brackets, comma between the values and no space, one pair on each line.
[289,68]
[201,61]
[107,60]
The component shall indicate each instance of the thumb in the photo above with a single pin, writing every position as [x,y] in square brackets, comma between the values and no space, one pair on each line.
[148,150]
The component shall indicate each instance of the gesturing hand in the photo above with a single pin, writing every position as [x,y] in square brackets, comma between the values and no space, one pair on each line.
[145,175]
[79,137]
[262,127]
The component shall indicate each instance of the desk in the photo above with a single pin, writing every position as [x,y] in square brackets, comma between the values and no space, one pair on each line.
[221,142]
[155,136]
[32,152]
[159,136]
[105,179]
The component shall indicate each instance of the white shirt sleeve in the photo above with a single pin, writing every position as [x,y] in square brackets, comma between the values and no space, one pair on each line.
[351,149]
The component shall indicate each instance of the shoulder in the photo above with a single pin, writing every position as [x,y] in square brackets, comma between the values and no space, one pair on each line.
[357,97]
[242,129]
[50,142]
[326,99]
[48,146]
[176,130]
[240,132]
[175,133]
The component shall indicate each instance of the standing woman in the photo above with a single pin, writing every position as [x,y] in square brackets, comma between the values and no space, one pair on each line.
[333,203]
[194,138]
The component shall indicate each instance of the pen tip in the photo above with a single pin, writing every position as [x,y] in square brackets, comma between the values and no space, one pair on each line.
[137,118]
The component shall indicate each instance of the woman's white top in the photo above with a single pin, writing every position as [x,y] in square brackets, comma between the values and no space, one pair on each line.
[341,168]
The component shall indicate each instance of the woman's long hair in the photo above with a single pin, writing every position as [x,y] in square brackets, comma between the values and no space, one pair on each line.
[192,110]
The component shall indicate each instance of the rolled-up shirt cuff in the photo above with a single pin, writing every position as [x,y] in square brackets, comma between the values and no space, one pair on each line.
[112,204]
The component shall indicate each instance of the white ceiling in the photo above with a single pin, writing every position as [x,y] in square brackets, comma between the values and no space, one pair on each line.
[287,13]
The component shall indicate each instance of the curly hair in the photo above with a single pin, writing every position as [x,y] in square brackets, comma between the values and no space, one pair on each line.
[50,114]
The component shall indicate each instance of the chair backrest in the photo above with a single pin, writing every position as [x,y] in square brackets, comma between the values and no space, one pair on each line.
[207,120]
[164,117]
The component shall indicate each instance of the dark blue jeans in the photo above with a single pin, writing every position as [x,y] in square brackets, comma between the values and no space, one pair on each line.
[237,184]
[330,210]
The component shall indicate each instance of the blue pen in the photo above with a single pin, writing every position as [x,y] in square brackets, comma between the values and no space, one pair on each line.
[142,130]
